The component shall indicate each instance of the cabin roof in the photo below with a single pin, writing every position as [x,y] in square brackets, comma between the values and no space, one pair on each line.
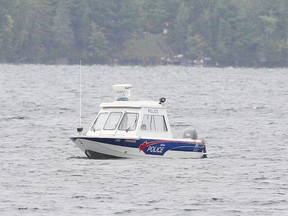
[133,104]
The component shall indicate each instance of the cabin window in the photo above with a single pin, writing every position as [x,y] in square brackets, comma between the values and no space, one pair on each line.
[99,122]
[112,121]
[154,123]
[129,121]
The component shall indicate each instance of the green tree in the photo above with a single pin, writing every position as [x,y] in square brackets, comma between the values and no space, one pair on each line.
[97,45]
[62,30]
[79,20]
[233,32]
[7,29]
[153,16]
[6,45]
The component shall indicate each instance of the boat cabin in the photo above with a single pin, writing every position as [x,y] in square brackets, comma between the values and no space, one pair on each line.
[131,119]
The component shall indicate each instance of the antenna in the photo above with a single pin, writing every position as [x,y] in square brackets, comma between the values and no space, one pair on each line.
[80,129]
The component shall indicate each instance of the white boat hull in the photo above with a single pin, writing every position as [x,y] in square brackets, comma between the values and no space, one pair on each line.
[100,148]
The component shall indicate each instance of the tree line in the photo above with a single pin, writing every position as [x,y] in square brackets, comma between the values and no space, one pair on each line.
[246,33]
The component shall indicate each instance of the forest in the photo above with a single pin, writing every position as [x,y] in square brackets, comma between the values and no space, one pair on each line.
[238,33]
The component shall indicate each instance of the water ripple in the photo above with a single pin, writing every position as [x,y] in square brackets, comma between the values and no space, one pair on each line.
[241,113]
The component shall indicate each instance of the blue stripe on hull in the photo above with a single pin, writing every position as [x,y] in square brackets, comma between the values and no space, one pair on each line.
[151,146]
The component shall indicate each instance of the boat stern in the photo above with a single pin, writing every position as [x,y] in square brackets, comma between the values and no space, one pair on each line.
[204,151]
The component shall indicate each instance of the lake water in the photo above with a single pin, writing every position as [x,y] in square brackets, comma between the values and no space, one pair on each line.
[242,113]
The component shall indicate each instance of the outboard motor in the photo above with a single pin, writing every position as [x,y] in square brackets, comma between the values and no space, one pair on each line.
[190,134]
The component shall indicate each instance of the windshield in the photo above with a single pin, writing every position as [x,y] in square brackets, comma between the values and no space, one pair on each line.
[99,122]
[112,121]
[129,122]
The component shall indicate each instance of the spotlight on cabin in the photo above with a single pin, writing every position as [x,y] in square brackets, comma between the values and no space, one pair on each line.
[162,100]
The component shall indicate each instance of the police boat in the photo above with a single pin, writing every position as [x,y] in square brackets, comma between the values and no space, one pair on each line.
[136,129]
